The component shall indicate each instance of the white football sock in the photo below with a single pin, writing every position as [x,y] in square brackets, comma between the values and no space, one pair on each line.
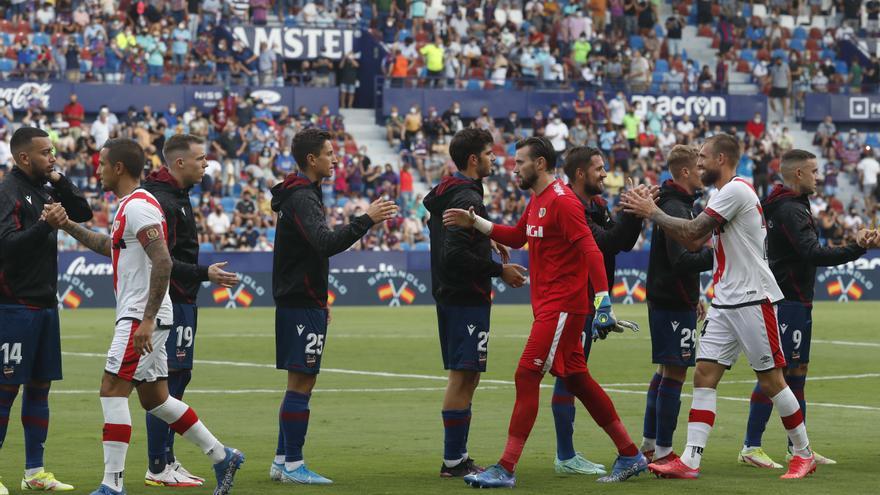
[184,421]
[793,419]
[117,435]
[700,422]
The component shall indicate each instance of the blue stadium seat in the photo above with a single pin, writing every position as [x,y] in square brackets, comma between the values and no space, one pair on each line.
[661,67]
[194,200]
[7,39]
[6,65]
[840,67]
[473,85]
[80,39]
[748,55]
[236,189]
[828,53]
[405,246]
[657,78]
[228,204]
[747,10]
[206,247]
[779,53]
[872,140]
[270,234]
[798,45]
[636,42]
[658,30]
[422,246]
[40,39]
[799,33]
[341,201]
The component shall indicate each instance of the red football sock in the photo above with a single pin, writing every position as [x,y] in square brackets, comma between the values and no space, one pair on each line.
[600,407]
[525,410]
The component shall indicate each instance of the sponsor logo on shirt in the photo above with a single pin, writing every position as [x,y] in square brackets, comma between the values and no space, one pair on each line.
[534,231]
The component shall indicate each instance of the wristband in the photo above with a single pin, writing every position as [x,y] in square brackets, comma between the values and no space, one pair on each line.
[599,297]
[481,224]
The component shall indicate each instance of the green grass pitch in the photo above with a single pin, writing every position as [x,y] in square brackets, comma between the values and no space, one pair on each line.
[375,432]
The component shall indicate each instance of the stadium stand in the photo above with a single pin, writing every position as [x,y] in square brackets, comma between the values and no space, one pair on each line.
[607,49]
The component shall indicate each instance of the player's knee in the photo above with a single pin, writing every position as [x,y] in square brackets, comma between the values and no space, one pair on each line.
[799,370]
[772,382]
[10,388]
[678,373]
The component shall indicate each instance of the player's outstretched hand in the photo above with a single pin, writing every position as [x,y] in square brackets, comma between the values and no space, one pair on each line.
[502,251]
[381,210]
[638,202]
[142,340]
[868,238]
[513,275]
[219,276]
[456,217]
[55,215]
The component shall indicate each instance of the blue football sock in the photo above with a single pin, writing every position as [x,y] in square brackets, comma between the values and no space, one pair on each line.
[279,450]
[563,408]
[7,397]
[797,384]
[294,417]
[157,434]
[649,429]
[760,408]
[177,382]
[455,422]
[35,419]
[467,430]
[668,406]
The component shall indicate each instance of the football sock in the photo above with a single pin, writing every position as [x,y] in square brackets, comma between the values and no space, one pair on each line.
[793,419]
[700,422]
[760,408]
[563,416]
[279,450]
[177,382]
[467,431]
[600,407]
[668,407]
[525,410]
[35,420]
[294,417]
[454,423]
[117,435]
[797,384]
[649,429]
[157,435]
[7,397]
[184,421]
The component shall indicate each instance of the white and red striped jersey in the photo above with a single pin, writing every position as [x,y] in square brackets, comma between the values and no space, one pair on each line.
[131,265]
[742,275]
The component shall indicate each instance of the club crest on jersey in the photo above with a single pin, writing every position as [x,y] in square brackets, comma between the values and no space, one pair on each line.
[534,231]
[542,212]
[311,360]
[181,354]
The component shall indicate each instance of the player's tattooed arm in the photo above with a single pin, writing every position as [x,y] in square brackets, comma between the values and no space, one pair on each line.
[153,241]
[691,234]
[96,241]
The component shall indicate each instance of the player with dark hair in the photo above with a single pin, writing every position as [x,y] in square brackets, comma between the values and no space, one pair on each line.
[794,252]
[185,161]
[674,307]
[743,313]
[303,247]
[30,337]
[137,358]
[461,273]
[585,168]
[563,259]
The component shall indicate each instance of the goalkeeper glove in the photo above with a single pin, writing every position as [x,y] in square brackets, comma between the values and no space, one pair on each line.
[604,320]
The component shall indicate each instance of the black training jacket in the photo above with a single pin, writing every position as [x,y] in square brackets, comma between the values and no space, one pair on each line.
[673,271]
[28,245]
[461,259]
[611,237]
[183,241]
[304,243]
[793,245]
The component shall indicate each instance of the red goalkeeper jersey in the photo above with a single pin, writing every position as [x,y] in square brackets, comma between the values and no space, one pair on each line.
[563,256]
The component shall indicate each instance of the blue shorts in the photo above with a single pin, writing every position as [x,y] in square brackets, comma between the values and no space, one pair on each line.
[181,343]
[673,336]
[30,344]
[464,336]
[796,329]
[299,339]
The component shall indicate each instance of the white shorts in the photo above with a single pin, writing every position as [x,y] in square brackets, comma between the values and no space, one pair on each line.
[124,362]
[753,329]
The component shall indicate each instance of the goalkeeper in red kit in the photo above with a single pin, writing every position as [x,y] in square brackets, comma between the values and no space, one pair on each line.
[563,260]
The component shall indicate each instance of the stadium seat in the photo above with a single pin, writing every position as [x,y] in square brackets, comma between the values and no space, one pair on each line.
[6,65]
[236,189]
[636,42]
[819,22]
[779,53]
[40,39]
[206,247]
[828,53]
[661,67]
[228,204]
[813,45]
[422,246]
[270,234]
[840,67]
[705,32]
[747,10]
[194,200]
[748,55]
[403,245]
[799,33]
[658,30]
[797,45]
[744,66]
[786,22]
[759,10]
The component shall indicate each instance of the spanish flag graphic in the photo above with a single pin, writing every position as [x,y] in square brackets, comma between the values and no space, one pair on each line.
[244,298]
[619,290]
[386,292]
[855,291]
[407,295]
[639,292]
[72,300]
[221,294]
[834,288]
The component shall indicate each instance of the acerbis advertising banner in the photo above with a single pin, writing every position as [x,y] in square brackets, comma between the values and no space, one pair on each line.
[404,278]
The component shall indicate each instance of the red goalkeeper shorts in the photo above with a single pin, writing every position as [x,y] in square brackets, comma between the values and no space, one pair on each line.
[554,344]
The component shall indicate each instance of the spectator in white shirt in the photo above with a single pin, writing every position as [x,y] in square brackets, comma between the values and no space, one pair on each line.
[557,132]
[617,109]
[218,221]
[100,130]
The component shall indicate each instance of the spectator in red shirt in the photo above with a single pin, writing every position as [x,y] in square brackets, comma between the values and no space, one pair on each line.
[755,129]
[406,187]
[74,114]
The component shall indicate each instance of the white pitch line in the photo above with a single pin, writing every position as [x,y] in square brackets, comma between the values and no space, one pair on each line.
[847,342]
[497,382]
[279,391]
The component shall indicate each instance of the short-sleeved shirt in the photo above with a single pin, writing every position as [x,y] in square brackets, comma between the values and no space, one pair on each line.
[780,75]
[137,212]
[433,57]
[741,274]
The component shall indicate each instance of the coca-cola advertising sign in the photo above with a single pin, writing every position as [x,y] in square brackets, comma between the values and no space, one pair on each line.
[22,95]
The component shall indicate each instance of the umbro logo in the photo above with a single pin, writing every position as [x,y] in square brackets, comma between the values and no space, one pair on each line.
[675,325]
[28,198]
[300,329]
[471,329]
[538,362]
